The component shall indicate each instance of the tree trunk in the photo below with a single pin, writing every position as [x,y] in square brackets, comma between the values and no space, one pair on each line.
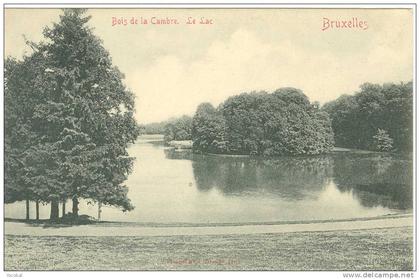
[64,208]
[99,210]
[54,210]
[37,210]
[75,207]
[27,210]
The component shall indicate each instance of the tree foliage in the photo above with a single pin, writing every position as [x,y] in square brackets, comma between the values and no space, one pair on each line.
[77,117]
[357,118]
[154,128]
[281,123]
[208,129]
[178,129]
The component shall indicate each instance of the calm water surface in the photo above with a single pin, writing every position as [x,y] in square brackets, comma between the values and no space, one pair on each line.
[172,186]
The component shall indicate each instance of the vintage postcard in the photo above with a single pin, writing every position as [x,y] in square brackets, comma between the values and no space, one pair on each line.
[209,138]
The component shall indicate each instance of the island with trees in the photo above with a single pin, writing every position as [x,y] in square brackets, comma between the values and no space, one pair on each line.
[281,123]
[285,123]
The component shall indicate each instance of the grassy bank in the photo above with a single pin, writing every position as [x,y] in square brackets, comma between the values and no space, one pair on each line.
[378,249]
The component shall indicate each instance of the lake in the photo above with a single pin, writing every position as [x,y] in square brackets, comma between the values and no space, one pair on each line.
[178,186]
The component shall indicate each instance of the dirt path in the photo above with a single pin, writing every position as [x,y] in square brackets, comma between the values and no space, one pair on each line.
[14,228]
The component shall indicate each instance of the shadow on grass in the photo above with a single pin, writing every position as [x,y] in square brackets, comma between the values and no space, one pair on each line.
[67,220]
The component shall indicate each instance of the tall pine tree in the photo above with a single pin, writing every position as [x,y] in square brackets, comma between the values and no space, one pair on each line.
[81,119]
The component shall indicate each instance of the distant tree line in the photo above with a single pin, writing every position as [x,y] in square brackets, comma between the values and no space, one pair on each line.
[175,128]
[178,129]
[68,122]
[377,117]
[155,128]
[258,123]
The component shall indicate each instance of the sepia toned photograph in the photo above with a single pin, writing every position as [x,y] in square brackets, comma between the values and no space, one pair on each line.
[209,138]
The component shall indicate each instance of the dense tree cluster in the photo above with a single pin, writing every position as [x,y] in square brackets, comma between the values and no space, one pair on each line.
[378,117]
[155,128]
[178,129]
[68,121]
[209,129]
[175,128]
[281,123]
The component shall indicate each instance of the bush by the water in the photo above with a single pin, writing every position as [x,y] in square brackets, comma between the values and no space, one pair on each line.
[382,141]
[258,123]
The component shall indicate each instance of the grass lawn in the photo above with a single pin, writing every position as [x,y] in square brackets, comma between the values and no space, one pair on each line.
[377,249]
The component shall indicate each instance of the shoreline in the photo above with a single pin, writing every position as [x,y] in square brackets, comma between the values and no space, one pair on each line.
[46,222]
[118,229]
[186,145]
[335,150]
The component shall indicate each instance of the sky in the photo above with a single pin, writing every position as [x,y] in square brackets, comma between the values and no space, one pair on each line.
[173,68]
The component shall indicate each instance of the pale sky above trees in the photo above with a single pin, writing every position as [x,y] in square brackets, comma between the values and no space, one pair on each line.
[173,68]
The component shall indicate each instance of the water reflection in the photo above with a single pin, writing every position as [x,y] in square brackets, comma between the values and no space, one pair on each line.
[290,179]
[376,179]
[173,186]
[373,179]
